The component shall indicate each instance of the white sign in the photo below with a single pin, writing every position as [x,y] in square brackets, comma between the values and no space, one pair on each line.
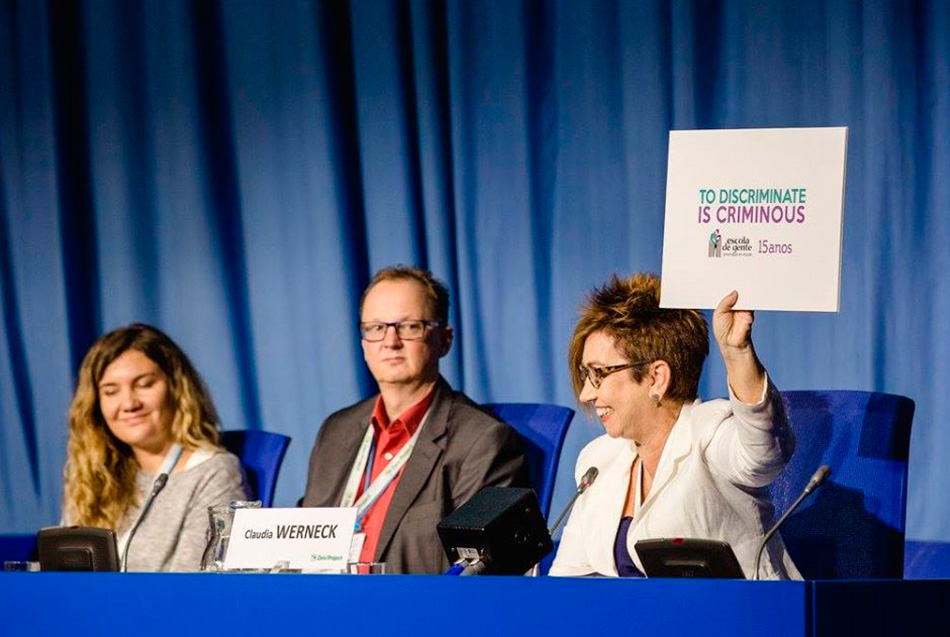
[758,211]
[311,539]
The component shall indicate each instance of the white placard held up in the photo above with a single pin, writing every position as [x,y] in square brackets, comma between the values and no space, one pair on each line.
[755,210]
[311,538]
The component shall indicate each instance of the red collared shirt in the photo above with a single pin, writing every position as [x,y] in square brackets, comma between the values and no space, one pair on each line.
[390,438]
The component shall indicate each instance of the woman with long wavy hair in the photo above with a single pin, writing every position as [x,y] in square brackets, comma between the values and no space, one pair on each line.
[140,410]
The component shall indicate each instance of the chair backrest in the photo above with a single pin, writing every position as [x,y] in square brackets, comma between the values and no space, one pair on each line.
[542,429]
[261,453]
[853,526]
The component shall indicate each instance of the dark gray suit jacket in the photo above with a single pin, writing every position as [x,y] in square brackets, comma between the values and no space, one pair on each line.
[460,450]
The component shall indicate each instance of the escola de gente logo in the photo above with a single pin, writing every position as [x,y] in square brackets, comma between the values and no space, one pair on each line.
[720,246]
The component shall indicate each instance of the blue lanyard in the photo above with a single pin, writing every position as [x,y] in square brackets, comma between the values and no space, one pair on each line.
[364,473]
[367,481]
[368,477]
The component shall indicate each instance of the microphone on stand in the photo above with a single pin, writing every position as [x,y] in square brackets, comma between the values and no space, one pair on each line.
[157,487]
[586,480]
[816,481]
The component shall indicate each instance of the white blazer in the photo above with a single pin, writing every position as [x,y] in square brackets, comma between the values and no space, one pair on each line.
[710,483]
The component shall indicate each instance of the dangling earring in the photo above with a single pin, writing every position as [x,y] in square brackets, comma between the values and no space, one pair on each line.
[656,400]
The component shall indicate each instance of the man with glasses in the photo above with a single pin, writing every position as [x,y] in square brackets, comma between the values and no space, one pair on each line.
[418,450]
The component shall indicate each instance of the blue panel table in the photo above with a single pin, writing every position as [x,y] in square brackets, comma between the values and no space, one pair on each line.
[229,604]
[166,604]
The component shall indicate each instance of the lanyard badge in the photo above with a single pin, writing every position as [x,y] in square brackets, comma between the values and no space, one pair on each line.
[363,468]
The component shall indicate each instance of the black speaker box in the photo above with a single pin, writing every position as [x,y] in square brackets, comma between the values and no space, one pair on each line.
[502,526]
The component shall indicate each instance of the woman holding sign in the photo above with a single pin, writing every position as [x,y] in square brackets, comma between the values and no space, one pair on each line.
[141,411]
[669,464]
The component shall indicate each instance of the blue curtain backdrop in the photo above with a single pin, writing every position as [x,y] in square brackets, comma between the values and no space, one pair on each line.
[234,171]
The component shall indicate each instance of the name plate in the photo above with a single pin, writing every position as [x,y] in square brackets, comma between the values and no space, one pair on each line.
[755,210]
[310,539]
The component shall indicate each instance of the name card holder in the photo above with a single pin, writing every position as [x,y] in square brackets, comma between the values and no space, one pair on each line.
[314,539]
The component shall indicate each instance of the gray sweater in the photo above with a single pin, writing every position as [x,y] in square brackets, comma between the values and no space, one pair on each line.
[172,535]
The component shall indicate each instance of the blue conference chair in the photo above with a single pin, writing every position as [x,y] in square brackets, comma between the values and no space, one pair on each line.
[853,526]
[542,429]
[261,453]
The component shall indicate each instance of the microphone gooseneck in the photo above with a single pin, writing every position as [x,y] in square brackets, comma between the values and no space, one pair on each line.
[157,487]
[586,480]
[814,482]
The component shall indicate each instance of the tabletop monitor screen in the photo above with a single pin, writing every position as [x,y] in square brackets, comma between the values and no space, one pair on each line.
[77,548]
[685,557]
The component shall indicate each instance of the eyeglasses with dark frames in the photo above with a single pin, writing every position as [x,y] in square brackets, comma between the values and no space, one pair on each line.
[406,330]
[596,374]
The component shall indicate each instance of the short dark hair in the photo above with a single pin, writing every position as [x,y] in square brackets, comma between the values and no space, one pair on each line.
[436,292]
[628,309]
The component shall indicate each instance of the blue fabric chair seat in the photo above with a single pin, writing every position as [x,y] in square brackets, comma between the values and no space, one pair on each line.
[853,526]
[542,429]
[261,454]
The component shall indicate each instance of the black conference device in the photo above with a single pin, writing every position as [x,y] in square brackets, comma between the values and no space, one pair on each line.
[688,557]
[500,531]
[77,548]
